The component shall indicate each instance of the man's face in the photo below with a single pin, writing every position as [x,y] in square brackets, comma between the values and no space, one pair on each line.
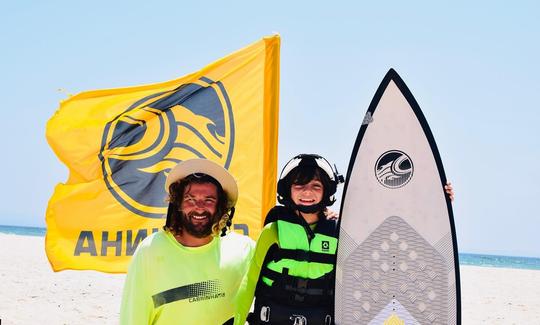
[198,209]
[307,194]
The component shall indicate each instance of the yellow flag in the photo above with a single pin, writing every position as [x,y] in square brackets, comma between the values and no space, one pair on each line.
[119,145]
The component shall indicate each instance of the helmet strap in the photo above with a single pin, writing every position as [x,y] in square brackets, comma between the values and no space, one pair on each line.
[229,223]
[308,208]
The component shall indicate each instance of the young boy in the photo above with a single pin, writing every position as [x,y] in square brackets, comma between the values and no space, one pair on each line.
[291,274]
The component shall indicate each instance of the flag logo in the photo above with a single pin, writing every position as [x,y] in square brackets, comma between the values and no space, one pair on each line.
[142,144]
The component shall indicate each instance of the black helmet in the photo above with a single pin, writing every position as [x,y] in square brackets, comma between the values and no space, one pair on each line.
[308,160]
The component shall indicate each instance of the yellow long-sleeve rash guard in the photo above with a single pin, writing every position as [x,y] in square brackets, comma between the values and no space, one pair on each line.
[168,283]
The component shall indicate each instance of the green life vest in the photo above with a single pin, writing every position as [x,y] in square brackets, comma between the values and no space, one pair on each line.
[301,266]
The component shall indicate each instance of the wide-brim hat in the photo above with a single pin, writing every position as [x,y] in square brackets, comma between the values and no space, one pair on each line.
[208,167]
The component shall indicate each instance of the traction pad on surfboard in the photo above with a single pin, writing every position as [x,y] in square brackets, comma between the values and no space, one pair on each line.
[395,274]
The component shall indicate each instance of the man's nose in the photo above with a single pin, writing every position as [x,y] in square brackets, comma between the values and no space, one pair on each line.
[199,204]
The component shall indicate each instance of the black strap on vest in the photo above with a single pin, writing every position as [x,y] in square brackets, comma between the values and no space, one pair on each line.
[321,285]
[301,256]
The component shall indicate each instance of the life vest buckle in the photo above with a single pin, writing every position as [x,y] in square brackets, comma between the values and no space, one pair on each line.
[299,319]
[265,314]
[328,320]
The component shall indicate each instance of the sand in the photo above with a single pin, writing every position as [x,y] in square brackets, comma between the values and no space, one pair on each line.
[500,296]
[31,293]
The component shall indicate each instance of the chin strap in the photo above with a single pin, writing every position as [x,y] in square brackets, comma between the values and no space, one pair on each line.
[228,224]
[308,208]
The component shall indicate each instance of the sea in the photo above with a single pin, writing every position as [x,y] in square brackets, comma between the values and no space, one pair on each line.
[25,231]
[515,262]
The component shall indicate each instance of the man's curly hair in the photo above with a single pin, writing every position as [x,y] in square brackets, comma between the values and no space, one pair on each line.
[176,196]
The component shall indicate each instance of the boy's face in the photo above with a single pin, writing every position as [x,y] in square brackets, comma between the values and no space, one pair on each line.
[307,194]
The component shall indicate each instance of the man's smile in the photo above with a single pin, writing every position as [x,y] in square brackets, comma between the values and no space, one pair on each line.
[199,217]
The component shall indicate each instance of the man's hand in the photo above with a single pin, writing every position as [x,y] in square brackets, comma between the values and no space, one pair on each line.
[331,214]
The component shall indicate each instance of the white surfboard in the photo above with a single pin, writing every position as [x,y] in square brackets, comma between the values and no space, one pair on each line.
[397,258]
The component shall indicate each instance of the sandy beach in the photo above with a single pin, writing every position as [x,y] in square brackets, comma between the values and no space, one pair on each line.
[500,296]
[31,293]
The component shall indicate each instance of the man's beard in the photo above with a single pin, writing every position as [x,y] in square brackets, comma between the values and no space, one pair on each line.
[195,228]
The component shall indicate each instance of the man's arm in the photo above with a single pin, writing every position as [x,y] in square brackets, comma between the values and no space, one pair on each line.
[137,305]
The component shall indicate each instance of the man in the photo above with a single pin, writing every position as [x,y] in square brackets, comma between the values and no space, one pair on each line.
[187,273]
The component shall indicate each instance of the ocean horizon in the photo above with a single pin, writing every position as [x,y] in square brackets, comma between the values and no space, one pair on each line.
[475,259]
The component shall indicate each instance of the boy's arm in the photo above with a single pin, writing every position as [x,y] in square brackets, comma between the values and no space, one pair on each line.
[246,292]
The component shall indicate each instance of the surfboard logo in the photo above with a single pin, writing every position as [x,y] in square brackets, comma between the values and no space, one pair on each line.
[394,169]
[142,144]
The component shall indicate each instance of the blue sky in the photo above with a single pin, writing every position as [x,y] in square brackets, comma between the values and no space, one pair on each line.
[473,68]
